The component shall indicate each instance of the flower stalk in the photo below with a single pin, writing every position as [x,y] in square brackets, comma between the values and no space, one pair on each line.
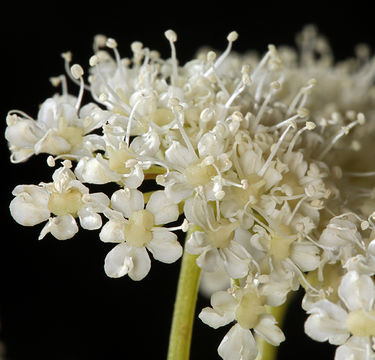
[184,308]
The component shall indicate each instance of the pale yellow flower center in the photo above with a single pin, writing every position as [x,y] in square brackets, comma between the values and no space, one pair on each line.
[72,134]
[138,230]
[250,308]
[361,323]
[68,202]
[332,275]
[199,174]
[118,159]
[162,116]
[222,237]
[280,245]
[252,192]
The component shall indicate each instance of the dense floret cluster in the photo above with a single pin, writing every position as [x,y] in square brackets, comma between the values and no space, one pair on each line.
[266,162]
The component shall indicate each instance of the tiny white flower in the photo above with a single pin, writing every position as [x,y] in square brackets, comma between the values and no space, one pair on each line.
[216,245]
[353,319]
[136,229]
[246,306]
[59,202]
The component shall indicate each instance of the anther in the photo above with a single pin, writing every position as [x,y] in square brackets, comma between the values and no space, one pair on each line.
[77,71]
[232,36]
[94,60]
[51,161]
[171,35]
[211,56]
[99,41]
[220,195]
[365,225]
[185,226]
[111,43]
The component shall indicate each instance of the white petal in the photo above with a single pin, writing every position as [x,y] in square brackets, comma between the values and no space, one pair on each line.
[213,281]
[146,145]
[208,260]
[327,322]
[113,231]
[52,143]
[305,255]
[214,319]
[30,206]
[127,201]
[134,179]
[269,331]
[196,243]
[95,171]
[98,201]
[235,260]
[141,263]
[224,303]
[164,246]
[89,220]
[177,189]
[356,348]
[238,344]
[179,155]
[357,291]
[164,211]
[118,261]
[61,227]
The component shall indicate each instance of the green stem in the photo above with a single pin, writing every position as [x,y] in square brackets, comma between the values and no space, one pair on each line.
[184,309]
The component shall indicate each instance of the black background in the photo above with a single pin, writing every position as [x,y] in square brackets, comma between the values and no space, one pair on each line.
[55,300]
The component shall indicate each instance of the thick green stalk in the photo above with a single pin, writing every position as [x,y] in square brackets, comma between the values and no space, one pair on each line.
[184,309]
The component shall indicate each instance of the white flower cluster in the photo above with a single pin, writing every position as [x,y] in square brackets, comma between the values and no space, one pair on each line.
[269,160]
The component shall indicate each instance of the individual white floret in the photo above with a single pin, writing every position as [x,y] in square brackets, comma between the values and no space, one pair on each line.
[246,306]
[137,229]
[352,318]
[59,202]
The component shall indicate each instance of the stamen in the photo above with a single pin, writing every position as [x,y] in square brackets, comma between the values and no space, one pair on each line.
[290,262]
[128,128]
[275,87]
[95,62]
[301,113]
[359,174]
[99,42]
[67,56]
[309,126]
[183,227]
[15,112]
[172,38]
[296,209]
[57,80]
[344,131]
[112,44]
[303,92]
[77,73]
[210,57]
[275,148]
[262,63]
[308,237]
[232,37]
[200,193]
[178,110]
